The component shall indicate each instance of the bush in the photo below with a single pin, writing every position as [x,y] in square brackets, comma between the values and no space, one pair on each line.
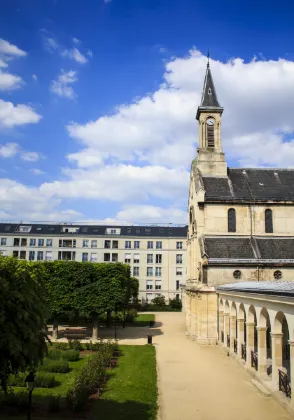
[158,301]
[42,380]
[75,345]
[11,399]
[131,315]
[61,346]
[54,354]
[56,366]
[175,304]
[70,355]
[53,405]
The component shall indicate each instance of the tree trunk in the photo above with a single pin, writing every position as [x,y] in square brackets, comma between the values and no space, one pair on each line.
[95,328]
[108,319]
[55,330]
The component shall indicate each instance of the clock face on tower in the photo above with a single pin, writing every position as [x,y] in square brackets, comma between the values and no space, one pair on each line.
[210,121]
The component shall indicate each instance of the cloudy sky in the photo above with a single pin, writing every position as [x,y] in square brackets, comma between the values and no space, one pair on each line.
[98,101]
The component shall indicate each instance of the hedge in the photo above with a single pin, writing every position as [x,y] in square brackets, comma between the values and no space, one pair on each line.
[70,355]
[42,380]
[55,366]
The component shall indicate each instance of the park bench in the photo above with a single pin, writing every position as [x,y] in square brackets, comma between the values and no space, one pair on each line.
[75,333]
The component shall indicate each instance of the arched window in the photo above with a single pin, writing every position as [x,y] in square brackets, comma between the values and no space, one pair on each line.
[268,219]
[231,220]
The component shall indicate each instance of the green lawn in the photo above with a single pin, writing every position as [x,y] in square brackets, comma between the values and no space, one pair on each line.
[145,317]
[131,392]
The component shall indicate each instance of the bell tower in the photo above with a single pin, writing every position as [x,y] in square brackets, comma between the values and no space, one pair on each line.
[210,158]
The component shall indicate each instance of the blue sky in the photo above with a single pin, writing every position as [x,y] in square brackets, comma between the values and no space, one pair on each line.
[98,100]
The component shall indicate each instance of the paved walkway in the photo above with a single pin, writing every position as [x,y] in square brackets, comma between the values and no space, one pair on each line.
[201,383]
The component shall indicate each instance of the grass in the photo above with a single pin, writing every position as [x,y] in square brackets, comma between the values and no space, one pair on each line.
[145,317]
[131,392]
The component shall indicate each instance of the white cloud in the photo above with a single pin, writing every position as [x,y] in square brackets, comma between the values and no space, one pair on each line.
[37,171]
[62,86]
[75,54]
[140,213]
[34,77]
[31,156]
[9,81]
[9,150]
[13,115]
[51,45]
[76,41]
[8,49]
[2,63]
[90,53]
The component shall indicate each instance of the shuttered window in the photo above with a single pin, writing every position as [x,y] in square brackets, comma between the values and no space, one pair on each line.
[210,136]
[268,216]
[231,220]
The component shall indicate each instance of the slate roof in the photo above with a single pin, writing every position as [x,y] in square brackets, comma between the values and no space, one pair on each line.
[245,184]
[209,99]
[275,288]
[267,249]
[98,230]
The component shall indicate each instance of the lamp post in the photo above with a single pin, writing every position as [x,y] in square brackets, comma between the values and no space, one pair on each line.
[30,383]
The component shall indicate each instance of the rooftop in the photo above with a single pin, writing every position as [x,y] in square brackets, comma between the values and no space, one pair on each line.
[275,288]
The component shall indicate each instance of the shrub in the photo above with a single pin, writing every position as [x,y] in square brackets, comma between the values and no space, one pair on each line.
[11,399]
[42,380]
[53,404]
[175,303]
[56,366]
[61,346]
[131,315]
[54,354]
[159,301]
[75,345]
[70,355]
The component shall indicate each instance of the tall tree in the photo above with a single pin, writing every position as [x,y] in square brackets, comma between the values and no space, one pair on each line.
[23,311]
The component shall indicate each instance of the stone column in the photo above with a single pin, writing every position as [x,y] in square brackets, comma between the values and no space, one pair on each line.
[262,350]
[55,330]
[232,332]
[250,342]
[291,343]
[220,324]
[226,327]
[277,358]
[241,329]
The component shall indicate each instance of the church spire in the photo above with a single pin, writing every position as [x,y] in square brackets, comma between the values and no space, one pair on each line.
[209,101]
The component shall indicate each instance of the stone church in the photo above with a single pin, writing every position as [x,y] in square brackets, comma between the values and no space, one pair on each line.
[241,223]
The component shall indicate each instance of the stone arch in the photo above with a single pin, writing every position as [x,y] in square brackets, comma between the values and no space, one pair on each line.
[227,307]
[252,319]
[242,312]
[233,309]
[281,327]
[264,322]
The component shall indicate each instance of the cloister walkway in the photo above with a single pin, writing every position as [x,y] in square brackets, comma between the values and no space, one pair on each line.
[201,383]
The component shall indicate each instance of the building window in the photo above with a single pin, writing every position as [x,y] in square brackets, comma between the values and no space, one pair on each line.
[231,220]
[149,271]
[177,284]
[15,254]
[128,244]
[114,258]
[93,257]
[149,285]
[94,243]
[158,244]
[48,243]
[40,242]
[179,245]
[22,255]
[157,284]
[48,256]
[179,259]
[3,241]
[16,242]
[136,258]
[158,258]
[23,241]
[150,244]
[278,275]
[106,257]
[107,244]
[85,243]
[210,135]
[237,274]
[158,271]
[179,271]
[149,258]
[136,244]
[32,242]
[128,258]
[136,271]
[40,256]
[85,256]
[31,255]
[268,216]
[115,244]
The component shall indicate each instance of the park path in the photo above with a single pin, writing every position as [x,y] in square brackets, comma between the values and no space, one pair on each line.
[201,383]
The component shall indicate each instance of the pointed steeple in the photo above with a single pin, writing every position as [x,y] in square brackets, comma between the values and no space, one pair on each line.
[209,101]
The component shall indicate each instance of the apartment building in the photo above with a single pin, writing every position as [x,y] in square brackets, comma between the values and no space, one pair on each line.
[156,254]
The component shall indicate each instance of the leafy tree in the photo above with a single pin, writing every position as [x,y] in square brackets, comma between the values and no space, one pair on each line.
[175,303]
[158,301]
[22,313]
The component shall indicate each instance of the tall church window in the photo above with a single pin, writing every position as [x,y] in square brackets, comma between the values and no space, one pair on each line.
[231,220]
[268,218]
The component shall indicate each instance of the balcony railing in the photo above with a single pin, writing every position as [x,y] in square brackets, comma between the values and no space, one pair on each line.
[222,337]
[284,384]
[235,345]
[228,341]
[243,351]
[254,360]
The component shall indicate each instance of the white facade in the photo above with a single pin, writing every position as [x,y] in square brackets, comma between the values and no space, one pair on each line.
[156,255]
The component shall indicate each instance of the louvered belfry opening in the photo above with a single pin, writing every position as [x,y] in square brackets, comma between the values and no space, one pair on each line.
[269,221]
[210,135]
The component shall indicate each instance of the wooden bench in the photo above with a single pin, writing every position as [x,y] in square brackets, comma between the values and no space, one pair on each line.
[74,333]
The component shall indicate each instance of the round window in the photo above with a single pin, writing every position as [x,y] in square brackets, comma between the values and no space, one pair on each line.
[237,274]
[278,275]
